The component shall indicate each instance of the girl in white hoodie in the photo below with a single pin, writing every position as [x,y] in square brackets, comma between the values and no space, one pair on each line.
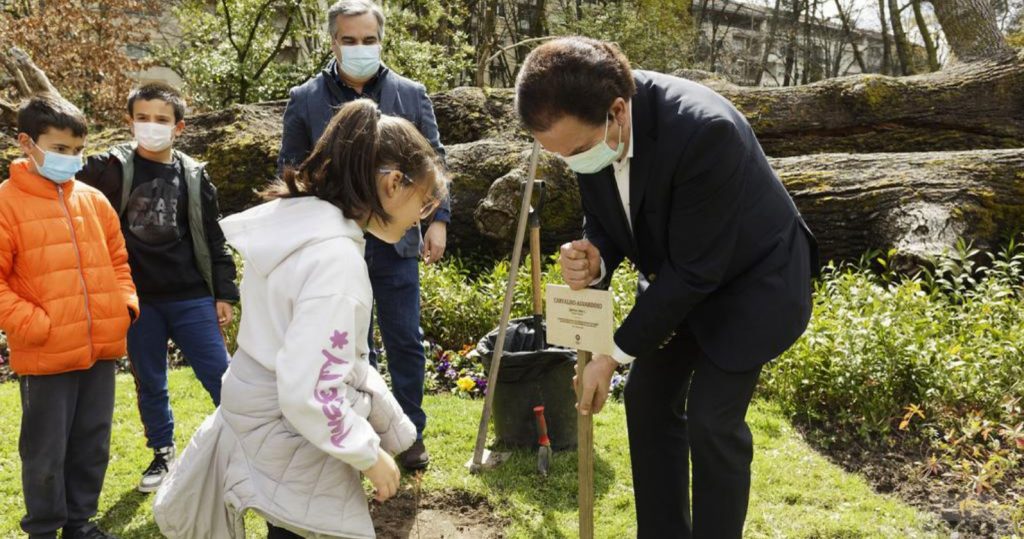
[302,411]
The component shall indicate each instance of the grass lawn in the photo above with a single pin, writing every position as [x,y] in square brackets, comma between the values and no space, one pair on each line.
[796,492]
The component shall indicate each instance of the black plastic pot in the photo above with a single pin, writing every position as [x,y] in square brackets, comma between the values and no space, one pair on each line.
[530,377]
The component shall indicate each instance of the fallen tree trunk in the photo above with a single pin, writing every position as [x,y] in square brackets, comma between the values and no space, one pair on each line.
[978,105]
[916,203]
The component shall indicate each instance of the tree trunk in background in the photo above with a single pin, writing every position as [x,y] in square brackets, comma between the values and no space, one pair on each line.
[770,42]
[807,45]
[886,46]
[903,50]
[926,35]
[485,41]
[971,30]
[852,39]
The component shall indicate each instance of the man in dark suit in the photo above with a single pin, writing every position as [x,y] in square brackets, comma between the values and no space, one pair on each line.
[357,28]
[672,177]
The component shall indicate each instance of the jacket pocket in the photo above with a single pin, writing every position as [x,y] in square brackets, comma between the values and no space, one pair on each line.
[35,331]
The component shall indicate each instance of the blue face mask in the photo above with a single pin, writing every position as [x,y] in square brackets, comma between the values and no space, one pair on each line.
[56,167]
[360,62]
[596,158]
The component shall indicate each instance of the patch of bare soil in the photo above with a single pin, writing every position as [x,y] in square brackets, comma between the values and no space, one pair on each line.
[437,515]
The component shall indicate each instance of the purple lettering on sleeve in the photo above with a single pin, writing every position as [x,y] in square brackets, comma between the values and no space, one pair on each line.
[329,397]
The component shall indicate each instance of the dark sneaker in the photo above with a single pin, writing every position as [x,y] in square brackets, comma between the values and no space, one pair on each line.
[89,531]
[415,458]
[154,475]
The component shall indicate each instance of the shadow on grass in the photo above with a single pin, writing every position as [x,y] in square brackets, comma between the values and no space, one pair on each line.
[122,512]
[558,490]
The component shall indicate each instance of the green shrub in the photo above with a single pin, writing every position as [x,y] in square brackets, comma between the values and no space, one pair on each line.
[935,358]
[458,309]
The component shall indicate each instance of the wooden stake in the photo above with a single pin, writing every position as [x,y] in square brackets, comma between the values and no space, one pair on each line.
[585,450]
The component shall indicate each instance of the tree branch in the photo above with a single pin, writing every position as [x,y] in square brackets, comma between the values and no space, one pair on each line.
[255,26]
[231,32]
[277,46]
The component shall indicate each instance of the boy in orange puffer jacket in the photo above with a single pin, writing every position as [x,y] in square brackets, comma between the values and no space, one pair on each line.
[66,301]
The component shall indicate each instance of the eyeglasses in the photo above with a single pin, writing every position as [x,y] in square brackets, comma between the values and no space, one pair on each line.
[430,207]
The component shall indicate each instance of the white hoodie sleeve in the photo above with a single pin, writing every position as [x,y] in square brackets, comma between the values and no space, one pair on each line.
[318,354]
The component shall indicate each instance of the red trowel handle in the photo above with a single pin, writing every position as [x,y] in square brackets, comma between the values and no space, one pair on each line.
[542,426]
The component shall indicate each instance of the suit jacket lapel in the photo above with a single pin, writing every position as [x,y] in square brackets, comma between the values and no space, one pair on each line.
[644,144]
[607,191]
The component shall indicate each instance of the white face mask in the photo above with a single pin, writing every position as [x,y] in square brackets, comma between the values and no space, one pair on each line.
[360,62]
[597,158]
[154,137]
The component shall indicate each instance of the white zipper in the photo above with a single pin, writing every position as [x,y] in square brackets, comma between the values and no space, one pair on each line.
[78,258]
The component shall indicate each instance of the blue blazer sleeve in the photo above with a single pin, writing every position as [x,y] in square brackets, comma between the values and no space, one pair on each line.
[296,141]
[428,126]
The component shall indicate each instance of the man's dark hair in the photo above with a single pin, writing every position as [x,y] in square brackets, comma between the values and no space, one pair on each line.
[575,76]
[46,111]
[158,91]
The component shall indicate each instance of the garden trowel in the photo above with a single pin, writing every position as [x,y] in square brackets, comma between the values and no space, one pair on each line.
[544,449]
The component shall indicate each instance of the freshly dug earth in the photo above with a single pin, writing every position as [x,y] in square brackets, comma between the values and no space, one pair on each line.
[437,515]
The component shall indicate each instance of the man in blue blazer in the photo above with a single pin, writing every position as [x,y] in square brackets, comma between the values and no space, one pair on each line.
[357,28]
[672,177]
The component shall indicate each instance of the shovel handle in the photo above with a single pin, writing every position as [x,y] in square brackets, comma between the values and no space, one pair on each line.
[538,300]
[542,426]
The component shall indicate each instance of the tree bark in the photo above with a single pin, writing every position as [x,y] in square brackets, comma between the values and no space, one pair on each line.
[971,30]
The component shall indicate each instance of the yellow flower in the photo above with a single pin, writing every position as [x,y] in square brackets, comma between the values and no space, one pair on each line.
[466,384]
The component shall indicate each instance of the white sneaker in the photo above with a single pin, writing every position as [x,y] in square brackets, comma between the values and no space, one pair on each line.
[154,475]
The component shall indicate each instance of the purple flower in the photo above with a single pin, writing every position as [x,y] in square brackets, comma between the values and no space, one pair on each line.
[451,374]
[617,380]
[481,383]
[444,366]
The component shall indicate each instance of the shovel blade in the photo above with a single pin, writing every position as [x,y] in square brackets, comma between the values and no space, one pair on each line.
[490,460]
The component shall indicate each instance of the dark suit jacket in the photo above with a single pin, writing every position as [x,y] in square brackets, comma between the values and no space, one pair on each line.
[722,250]
[312,104]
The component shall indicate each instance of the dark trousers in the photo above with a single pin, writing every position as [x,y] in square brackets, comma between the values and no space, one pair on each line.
[64,446]
[396,296]
[192,325]
[679,405]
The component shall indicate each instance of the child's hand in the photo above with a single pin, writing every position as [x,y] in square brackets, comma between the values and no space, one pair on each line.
[384,475]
